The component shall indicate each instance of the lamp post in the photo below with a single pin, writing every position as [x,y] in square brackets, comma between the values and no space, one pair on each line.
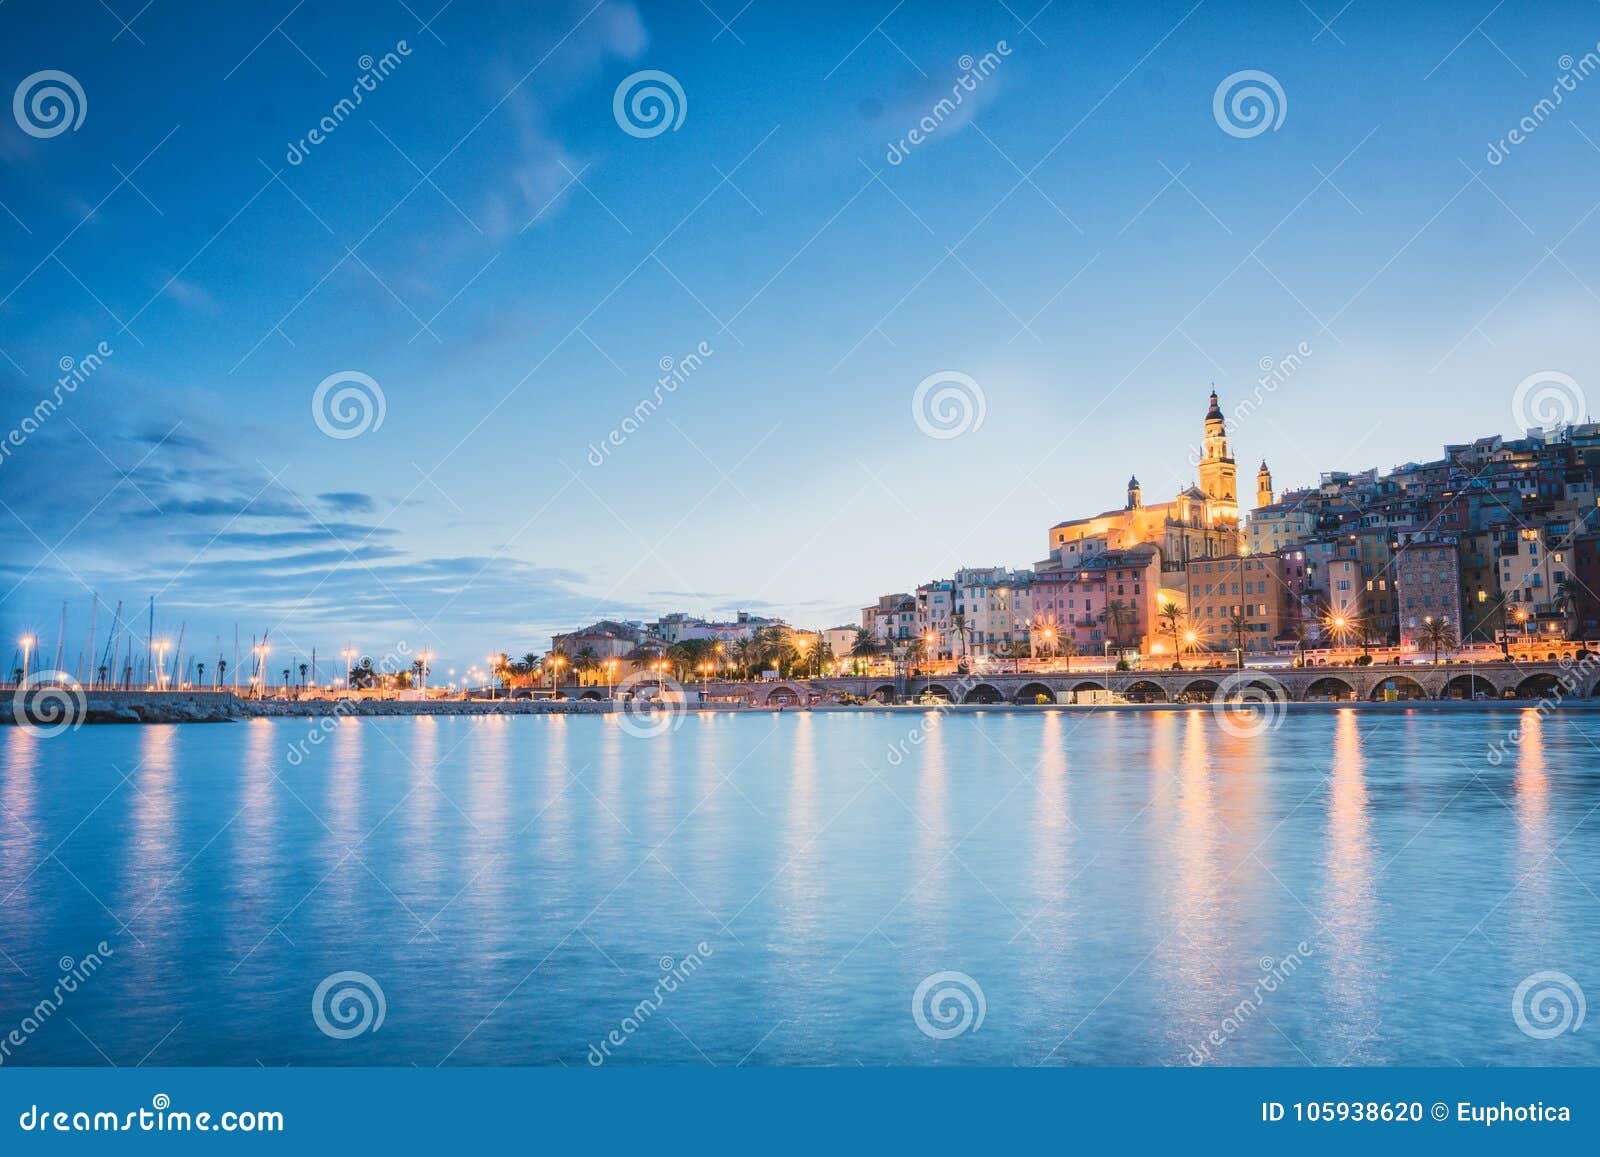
[161,664]
[349,654]
[27,649]
[426,657]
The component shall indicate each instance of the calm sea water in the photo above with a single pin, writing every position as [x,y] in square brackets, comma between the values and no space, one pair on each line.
[1113,884]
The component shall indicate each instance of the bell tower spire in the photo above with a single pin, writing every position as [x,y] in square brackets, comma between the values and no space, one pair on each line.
[1218,476]
[1263,485]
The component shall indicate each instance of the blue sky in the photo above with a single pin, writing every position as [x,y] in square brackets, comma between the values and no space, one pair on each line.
[482,239]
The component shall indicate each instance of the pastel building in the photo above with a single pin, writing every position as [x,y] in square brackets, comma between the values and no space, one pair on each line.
[1428,587]
[1243,602]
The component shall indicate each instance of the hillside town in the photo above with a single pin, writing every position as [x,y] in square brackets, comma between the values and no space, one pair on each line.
[1492,547]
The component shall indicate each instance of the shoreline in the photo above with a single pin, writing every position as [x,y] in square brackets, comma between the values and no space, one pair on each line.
[224,707]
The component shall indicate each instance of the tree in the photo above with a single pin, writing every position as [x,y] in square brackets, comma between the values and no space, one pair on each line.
[1238,624]
[1437,635]
[1115,614]
[303,670]
[916,650]
[958,623]
[1171,616]
[199,674]
[222,671]
[585,662]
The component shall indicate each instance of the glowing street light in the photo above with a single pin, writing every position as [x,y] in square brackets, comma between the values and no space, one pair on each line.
[161,648]
[27,648]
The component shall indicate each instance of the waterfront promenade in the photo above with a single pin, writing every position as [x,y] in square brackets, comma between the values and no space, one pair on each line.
[1569,685]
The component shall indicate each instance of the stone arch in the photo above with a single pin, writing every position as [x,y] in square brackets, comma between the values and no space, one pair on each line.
[1541,686]
[1030,692]
[785,695]
[984,693]
[1468,685]
[1144,691]
[938,691]
[592,693]
[1405,686]
[1198,691]
[1330,687]
[1088,685]
[883,693]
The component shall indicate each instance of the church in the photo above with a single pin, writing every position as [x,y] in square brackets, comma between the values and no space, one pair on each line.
[1108,575]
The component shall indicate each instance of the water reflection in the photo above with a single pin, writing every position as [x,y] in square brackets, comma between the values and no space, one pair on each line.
[1350,902]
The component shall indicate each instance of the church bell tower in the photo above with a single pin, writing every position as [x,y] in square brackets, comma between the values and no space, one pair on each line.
[1263,485]
[1218,476]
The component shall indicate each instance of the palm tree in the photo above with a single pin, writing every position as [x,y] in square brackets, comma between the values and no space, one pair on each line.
[286,680]
[1171,615]
[958,623]
[1238,624]
[916,650]
[1437,635]
[585,662]
[1113,616]
[303,670]
[1566,601]
[199,674]
[222,670]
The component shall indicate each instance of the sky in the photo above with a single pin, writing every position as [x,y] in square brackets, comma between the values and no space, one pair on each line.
[894,354]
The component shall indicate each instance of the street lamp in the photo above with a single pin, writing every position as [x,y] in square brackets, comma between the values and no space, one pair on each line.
[161,664]
[349,654]
[27,648]
[426,657]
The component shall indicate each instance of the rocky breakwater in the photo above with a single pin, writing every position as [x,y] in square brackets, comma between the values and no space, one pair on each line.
[59,706]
